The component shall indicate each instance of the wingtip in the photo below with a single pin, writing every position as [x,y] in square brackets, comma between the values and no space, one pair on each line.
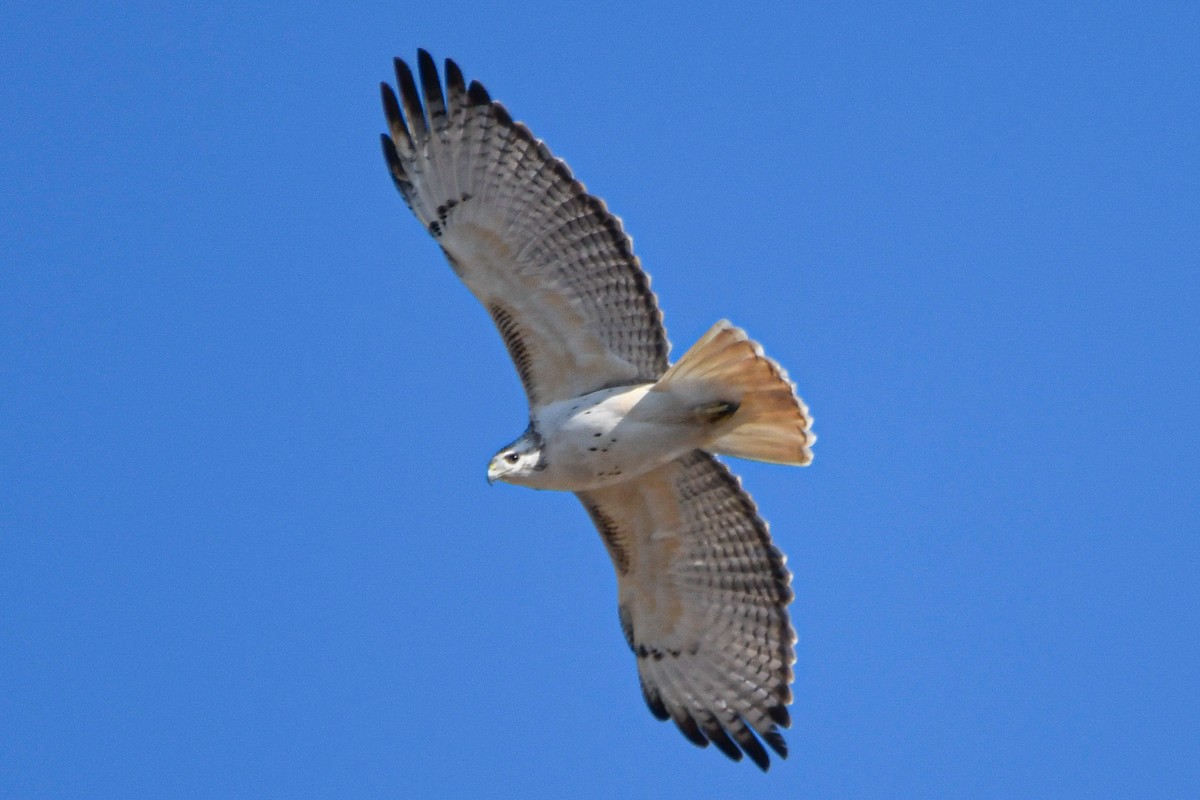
[654,703]
[477,94]
[391,106]
[776,742]
[502,115]
[717,735]
[454,76]
[760,758]
[410,99]
[688,727]
[431,85]
[751,746]
[394,164]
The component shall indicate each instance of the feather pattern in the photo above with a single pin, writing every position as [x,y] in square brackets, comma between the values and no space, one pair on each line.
[703,600]
[524,235]
[702,591]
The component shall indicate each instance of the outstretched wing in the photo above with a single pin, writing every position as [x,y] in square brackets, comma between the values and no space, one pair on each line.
[549,262]
[703,599]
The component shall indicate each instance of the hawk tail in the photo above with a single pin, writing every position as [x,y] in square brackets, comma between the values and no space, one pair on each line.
[728,380]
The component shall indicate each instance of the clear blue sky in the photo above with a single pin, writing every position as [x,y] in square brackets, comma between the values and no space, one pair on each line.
[246,544]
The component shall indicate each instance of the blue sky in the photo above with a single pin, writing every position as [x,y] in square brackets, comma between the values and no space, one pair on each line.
[246,544]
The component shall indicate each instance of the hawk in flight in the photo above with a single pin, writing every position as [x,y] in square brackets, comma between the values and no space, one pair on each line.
[702,592]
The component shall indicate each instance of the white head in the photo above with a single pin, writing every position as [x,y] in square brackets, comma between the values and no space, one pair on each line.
[519,462]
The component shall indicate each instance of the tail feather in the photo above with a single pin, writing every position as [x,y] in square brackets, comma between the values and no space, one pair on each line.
[725,366]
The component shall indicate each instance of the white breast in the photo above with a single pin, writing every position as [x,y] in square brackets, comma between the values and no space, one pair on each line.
[611,436]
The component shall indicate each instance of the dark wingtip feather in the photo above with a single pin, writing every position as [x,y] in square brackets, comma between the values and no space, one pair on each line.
[751,746]
[400,66]
[654,703]
[454,77]
[780,716]
[391,107]
[688,727]
[477,94]
[411,100]
[425,62]
[776,741]
[395,167]
[717,735]
[431,85]
[456,89]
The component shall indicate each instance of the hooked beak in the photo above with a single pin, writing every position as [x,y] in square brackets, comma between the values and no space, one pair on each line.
[492,474]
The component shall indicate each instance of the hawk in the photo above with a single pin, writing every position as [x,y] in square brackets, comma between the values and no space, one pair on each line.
[702,591]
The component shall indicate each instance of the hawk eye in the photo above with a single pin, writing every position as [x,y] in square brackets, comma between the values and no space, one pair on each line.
[512,458]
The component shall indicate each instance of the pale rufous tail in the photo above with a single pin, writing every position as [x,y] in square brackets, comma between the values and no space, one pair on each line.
[726,378]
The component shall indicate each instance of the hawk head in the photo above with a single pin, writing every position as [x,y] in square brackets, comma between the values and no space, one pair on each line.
[518,462]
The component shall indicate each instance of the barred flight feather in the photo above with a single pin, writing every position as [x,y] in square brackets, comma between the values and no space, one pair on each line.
[721,665]
[524,234]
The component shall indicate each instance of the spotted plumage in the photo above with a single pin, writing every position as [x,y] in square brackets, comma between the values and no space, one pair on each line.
[702,591]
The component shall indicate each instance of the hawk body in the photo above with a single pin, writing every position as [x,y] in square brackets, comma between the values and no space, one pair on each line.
[702,592]
[612,436]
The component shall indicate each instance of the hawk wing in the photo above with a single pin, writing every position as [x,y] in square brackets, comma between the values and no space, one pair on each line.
[703,599]
[552,266]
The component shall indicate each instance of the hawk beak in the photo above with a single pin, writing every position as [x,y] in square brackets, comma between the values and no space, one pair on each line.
[491,474]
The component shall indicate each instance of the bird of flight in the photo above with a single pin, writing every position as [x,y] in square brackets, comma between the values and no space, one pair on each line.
[702,591]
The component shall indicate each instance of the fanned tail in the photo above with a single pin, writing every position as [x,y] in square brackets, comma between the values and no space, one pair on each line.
[727,380]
